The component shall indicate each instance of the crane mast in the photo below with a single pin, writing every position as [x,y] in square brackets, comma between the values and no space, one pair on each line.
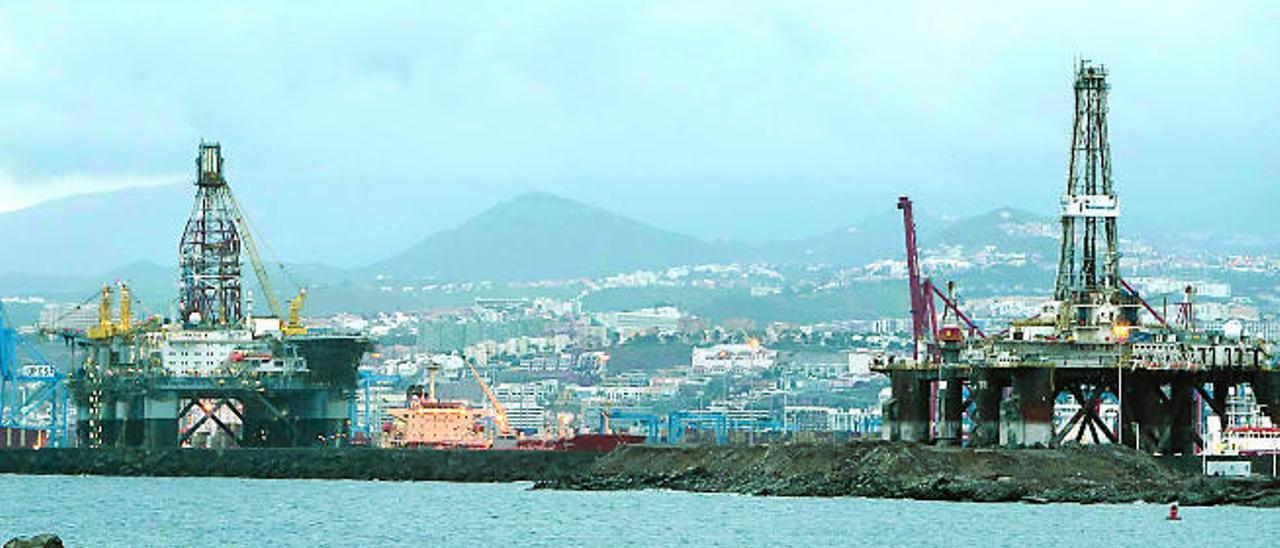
[922,312]
[259,268]
[499,412]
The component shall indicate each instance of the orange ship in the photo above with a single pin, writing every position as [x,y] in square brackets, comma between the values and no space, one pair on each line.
[436,424]
[429,422]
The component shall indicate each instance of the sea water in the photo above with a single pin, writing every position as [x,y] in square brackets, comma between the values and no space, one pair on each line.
[108,511]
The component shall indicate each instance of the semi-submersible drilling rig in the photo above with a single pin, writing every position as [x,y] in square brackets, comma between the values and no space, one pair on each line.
[1089,342]
[262,381]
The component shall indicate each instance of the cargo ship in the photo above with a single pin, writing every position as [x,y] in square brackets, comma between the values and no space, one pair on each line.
[437,425]
[426,422]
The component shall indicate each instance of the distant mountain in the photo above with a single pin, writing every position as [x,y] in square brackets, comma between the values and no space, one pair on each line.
[91,233]
[541,236]
[153,285]
[1006,229]
[877,237]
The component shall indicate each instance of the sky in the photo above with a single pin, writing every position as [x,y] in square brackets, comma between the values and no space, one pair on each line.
[354,129]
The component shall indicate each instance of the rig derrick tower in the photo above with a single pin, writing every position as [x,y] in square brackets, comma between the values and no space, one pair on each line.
[1090,199]
[209,254]
[1088,286]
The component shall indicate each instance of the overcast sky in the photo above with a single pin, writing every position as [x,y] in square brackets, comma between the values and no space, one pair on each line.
[725,120]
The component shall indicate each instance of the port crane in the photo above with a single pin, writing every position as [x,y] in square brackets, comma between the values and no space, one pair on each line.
[107,327]
[33,395]
[924,318]
[499,411]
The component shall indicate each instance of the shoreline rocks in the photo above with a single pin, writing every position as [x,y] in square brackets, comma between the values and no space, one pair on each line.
[39,541]
[876,469]
[303,463]
[1079,474]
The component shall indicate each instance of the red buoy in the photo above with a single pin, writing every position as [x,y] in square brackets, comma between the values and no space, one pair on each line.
[1173,512]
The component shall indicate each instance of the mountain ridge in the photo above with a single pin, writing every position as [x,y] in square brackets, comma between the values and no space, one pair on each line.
[535,235]
[527,237]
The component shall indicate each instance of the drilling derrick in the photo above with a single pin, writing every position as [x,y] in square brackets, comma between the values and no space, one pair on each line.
[1089,201]
[1088,285]
[210,249]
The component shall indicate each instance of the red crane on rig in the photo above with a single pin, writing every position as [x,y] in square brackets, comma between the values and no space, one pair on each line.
[924,317]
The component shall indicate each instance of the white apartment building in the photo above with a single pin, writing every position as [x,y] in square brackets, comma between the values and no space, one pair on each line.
[732,358]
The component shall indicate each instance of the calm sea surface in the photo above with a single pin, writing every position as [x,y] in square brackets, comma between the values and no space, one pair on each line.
[97,511]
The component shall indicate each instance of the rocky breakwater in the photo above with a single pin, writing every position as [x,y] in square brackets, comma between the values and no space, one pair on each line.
[318,463]
[1082,474]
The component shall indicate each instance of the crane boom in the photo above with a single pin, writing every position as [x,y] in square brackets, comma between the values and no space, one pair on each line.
[259,268]
[500,412]
[920,324]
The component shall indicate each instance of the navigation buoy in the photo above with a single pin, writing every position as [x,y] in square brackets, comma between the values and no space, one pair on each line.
[1173,512]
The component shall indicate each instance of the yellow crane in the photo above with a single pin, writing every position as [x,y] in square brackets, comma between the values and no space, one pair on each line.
[499,412]
[105,326]
[294,325]
[126,310]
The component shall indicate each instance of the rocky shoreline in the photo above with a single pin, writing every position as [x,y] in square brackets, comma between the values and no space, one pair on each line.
[1086,474]
[1079,474]
[317,463]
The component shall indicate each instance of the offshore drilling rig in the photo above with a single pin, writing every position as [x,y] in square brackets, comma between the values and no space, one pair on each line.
[261,381]
[1089,342]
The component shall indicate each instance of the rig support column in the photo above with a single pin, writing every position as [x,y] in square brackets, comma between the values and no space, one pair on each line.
[1030,417]
[1181,417]
[160,421]
[986,391]
[1142,428]
[325,417]
[907,416]
[952,409]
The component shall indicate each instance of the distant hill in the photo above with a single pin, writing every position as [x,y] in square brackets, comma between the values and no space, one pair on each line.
[542,236]
[153,285]
[91,233]
[1008,230]
[876,237]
